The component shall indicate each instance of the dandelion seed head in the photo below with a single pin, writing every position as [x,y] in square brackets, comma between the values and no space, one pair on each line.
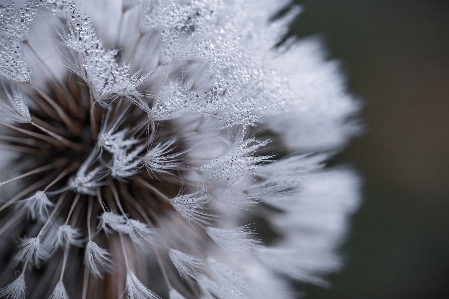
[167,149]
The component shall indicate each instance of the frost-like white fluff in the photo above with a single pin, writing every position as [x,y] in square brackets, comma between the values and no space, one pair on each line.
[31,252]
[59,292]
[67,235]
[159,160]
[236,240]
[139,232]
[315,224]
[175,131]
[319,108]
[97,259]
[137,290]
[17,110]
[188,266]
[15,290]
[38,205]
[190,206]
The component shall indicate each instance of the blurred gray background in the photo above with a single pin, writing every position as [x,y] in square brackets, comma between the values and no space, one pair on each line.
[396,57]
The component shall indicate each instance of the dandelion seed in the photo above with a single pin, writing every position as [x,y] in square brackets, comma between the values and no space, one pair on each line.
[110,221]
[237,162]
[139,232]
[237,240]
[136,290]
[172,101]
[86,57]
[67,235]
[234,197]
[19,111]
[159,160]
[112,139]
[115,142]
[190,207]
[16,289]
[281,178]
[295,264]
[97,259]
[59,292]
[85,181]
[31,252]
[38,205]
[188,266]
[125,165]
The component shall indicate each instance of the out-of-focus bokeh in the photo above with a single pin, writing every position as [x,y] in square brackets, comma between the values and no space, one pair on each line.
[395,54]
